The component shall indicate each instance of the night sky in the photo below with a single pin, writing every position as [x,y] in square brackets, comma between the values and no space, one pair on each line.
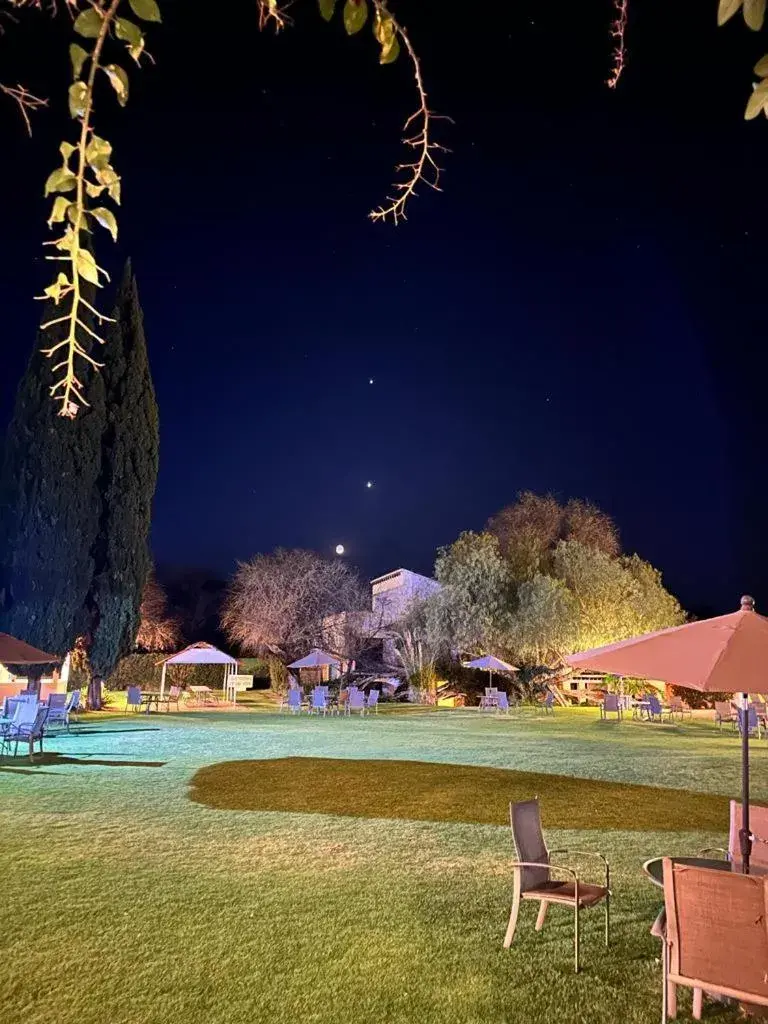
[581,311]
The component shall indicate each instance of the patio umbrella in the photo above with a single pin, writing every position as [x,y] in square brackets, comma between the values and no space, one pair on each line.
[727,654]
[17,652]
[315,659]
[491,664]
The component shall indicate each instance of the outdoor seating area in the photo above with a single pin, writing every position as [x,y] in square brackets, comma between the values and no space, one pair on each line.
[346,701]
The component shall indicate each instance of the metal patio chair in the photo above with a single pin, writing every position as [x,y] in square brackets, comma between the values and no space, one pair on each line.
[533,879]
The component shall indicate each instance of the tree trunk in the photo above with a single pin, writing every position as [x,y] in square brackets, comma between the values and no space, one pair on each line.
[93,701]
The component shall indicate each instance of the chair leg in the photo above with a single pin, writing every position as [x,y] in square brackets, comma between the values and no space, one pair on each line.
[607,919]
[511,927]
[543,908]
[672,999]
[576,931]
[698,999]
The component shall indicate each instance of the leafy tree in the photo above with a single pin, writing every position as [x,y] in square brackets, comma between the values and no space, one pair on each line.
[615,598]
[545,623]
[50,511]
[129,466]
[477,595]
[529,531]
[278,604]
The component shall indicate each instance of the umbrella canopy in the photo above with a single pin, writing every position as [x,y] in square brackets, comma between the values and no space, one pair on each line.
[315,659]
[490,664]
[727,654]
[199,654]
[16,652]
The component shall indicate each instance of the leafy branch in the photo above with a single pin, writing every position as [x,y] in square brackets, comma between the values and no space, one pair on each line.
[418,128]
[618,34]
[92,175]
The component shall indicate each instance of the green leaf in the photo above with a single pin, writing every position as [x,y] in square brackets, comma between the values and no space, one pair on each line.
[107,220]
[754,14]
[67,149]
[67,240]
[147,10]
[384,31]
[97,152]
[94,191]
[119,79]
[78,56]
[327,7]
[86,266]
[60,206]
[757,101]
[391,52]
[78,99]
[128,32]
[761,68]
[355,15]
[88,23]
[61,180]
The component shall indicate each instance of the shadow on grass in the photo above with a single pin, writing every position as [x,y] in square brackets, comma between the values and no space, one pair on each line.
[51,759]
[423,791]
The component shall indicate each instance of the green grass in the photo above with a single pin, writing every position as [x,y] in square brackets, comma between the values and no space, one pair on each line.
[127,901]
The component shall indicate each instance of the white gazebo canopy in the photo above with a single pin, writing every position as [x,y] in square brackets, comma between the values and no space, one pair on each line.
[200,654]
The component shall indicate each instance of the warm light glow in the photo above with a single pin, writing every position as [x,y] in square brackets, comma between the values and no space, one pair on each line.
[339,549]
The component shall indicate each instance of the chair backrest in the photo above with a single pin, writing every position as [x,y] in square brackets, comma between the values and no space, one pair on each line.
[654,704]
[57,700]
[29,696]
[318,697]
[356,699]
[723,709]
[525,819]
[611,702]
[39,723]
[675,703]
[373,698]
[133,696]
[294,698]
[174,693]
[758,826]
[24,715]
[502,700]
[717,928]
[751,719]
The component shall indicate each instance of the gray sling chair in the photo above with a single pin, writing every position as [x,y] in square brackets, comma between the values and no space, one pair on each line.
[533,881]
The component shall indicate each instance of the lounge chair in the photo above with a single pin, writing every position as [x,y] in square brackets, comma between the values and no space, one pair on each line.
[611,705]
[533,876]
[74,700]
[753,722]
[318,701]
[173,696]
[28,726]
[133,700]
[724,712]
[57,711]
[678,707]
[716,938]
[292,701]
[372,701]
[502,703]
[758,827]
[549,703]
[355,702]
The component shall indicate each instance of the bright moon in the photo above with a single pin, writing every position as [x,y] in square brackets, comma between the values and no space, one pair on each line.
[339,549]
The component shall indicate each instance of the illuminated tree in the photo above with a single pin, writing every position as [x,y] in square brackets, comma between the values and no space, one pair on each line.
[158,629]
[277,604]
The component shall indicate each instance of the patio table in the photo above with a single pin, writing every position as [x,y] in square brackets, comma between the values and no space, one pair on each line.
[148,699]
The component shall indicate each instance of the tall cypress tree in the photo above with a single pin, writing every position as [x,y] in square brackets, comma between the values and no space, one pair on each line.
[49,508]
[126,486]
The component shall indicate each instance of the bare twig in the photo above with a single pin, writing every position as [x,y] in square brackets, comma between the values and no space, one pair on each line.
[417,136]
[25,100]
[271,12]
[618,34]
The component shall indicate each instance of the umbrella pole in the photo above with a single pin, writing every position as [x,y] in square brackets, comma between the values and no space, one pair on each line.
[745,839]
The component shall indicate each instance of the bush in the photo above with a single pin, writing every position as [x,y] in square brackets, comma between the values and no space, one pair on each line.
[697,699]
[142,670]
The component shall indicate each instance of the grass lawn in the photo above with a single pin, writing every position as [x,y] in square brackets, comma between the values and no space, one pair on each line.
[204,868]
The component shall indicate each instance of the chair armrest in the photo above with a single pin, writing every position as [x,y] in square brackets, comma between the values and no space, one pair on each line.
[550,867]
[589,853]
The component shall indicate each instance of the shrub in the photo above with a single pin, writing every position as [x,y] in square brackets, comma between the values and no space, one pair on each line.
[697,699]
[142,670]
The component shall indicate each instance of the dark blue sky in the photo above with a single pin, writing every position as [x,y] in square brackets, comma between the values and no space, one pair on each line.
[581,310]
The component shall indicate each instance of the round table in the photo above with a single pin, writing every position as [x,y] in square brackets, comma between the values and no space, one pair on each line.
[654,868]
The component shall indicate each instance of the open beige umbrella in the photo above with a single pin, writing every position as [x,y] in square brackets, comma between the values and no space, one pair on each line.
[727,654]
